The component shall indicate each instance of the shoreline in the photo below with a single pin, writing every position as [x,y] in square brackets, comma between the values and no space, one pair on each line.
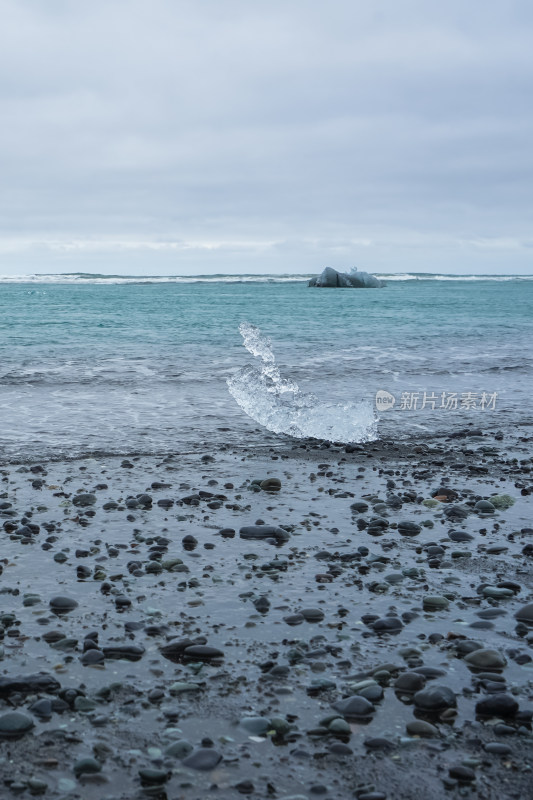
[389,612]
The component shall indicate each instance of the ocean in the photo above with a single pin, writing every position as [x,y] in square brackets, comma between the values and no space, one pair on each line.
[120,364]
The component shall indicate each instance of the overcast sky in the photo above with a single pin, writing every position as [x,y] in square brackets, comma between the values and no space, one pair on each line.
[177,137]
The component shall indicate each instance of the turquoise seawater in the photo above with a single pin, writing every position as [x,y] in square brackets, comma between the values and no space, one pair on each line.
[137,364]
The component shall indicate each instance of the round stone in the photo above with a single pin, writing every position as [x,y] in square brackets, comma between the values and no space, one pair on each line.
[91,657]
[498,749]
[486,659]
[87,766]
[434,699]
[84,499]
[153,776]
[387,625]
[256,725]
[264,532]
[202,652]
[312,614]
[462,774]
[497,705]
[525,614]
[407,528]
[14,724]
[271,485]
[418,727]
[340,727]
[61,604]
[435,603]
[409,682]
[484,507]
[354,706]
[179,749]
[203,759]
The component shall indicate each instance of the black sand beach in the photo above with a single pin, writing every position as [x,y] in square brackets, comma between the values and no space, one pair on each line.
[375,643]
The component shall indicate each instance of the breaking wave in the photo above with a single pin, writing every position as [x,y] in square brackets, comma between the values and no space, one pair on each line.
[279,405]
[93,278]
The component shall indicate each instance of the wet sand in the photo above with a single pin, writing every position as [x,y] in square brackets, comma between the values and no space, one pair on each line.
[376,643]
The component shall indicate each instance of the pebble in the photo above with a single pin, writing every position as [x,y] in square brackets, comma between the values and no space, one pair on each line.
[14,724]
[204,759]
[264,532]
[486,659]
[525,614]
[435,698]
[435,603]
[180,749]
[354,706]
[497,705]
[419,727]
[62,605]
[87,766]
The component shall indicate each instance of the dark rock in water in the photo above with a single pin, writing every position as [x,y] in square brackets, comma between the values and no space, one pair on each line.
[294,619]
[331,279]
[42,708]
[202,652]
[436,698]
[462,774]
[409,682]
[460,536]
[255,725]
[359,508]
[340,749]
[466,646]
[262,604]
[92,657]
[14,724]
[379,743]
[175,648]
[26,684]
[486,660]
[271,485]
[497,705]
[387,625]
[133,625]
[83,500]
[153,777]
[312,614]
[129,652]
[377,525]
[484,507]
[456,512]
[245,787]
[419,727]
[525,614]
[430,673]
[498,749]
[62,605]
[204,759]
[87,766]
[264,532]
[165,503]
[179,749]
[354,706]
[409,528]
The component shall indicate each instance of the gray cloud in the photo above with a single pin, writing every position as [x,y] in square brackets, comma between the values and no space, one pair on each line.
[173,136]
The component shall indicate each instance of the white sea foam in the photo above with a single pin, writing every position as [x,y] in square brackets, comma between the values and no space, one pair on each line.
[279,405]
[88,278]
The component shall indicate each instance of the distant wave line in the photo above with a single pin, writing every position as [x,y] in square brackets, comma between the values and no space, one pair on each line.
[96,278]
